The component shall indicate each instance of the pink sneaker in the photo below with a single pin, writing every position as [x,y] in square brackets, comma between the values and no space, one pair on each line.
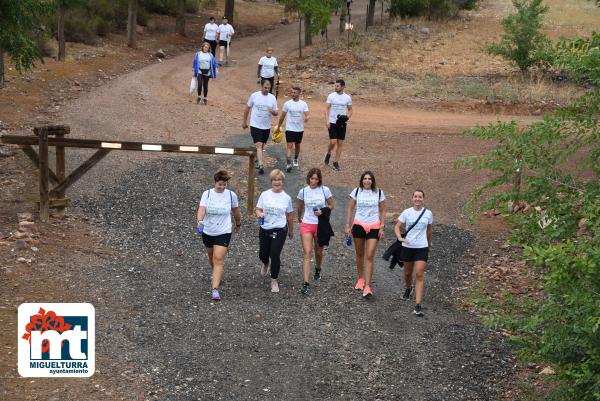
[367,292]
[216,296]
[360,284]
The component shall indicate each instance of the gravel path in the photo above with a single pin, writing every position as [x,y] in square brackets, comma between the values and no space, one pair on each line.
[255,345]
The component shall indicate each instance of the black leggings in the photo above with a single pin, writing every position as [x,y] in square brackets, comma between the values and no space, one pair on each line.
[270,244]
[203,78]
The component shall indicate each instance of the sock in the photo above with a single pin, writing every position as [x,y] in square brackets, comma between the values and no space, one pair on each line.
[295,157]
[288,161]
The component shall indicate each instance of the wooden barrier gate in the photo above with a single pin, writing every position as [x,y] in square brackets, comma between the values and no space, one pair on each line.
[54,135]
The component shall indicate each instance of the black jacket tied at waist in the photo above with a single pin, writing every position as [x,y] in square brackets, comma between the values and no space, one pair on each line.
[324,230]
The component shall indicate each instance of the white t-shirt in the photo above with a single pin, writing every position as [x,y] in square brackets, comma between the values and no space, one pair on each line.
[217,219]
[259,103]
[268,66]
[204,60]
[210,31]
[339,105]
[295,115]
[316,197]
[367,205]
[225,32]
[417,236]
[275,206]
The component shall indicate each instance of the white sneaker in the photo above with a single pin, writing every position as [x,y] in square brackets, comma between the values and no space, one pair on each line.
[274,286]
[295,163]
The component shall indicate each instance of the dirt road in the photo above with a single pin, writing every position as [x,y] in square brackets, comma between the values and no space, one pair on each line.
[159,337]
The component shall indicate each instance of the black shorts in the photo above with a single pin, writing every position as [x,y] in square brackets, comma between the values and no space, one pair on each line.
[359,232]
[337,132]
[260,135]
[224,43]
[294,136]
[414,254]
[220,240]
[213,46]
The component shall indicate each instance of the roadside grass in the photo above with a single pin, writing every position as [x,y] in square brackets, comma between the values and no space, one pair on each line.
[567,18]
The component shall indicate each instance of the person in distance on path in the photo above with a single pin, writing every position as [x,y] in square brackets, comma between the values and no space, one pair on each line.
[203,70]
[416,245]
[267,68]
[367,227]
[337,114]
[214,218]
[226,33]
[314,200]
[274,208]
[263,106]
[210,35]
[296,111]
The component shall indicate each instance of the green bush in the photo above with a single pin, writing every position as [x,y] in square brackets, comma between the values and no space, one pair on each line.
[523,43]
[406,8]
[560,233]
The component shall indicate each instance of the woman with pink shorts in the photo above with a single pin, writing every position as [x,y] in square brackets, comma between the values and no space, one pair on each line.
[312,200]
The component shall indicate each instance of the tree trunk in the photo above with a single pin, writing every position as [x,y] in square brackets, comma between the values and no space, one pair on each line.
[342,19]
[371,12]
[180,19]
[61,31]
[1,67]
[300,38]
[307,32]
[131,22]
[229,10]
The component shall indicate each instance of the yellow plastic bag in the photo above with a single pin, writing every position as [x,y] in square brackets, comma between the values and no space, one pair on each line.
[277,135]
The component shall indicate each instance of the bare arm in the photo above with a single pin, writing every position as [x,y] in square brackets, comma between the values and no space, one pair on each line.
[382,219]
[306,115]
[245,121]
[429,233]
[351,204]
[327,115]
[281,118]
[237,216]
[300,210]
[330,203]
[259,212]
[200,215]
[258,72]
[349,111]
[290,223]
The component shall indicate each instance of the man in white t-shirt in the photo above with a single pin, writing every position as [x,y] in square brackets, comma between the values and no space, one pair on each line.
[267,68]
[263,106]
[226,33]
[296,111]
[210,35]
[337,114]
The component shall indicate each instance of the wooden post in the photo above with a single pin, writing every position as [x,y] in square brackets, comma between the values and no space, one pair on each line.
[250,206]
[60,173]
[43,154]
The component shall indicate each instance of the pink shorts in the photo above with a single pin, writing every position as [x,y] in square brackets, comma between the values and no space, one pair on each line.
[308,228]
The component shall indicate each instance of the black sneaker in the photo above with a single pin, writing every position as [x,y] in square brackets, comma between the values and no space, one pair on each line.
[418,310]
[336,166]
[205,101]
[288,167]
[261,170]
[198,100]
[317,274]
[327,157]
[304,289]
[406,295]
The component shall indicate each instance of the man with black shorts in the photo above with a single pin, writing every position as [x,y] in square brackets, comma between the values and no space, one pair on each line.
[297,114]
[263,105]
[226,33]
[210,35]
[337,114]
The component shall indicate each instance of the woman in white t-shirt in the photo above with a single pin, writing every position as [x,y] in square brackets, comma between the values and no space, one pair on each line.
[367,227]
[312,200]
[416,244]
[214,221]
[276,219]
[267,68]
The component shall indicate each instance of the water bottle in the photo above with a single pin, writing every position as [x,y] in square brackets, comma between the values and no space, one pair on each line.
[200,229]
[315,209]
[349,240]
[261,220]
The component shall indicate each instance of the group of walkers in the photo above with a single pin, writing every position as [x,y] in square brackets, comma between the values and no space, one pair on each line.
[365,217]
